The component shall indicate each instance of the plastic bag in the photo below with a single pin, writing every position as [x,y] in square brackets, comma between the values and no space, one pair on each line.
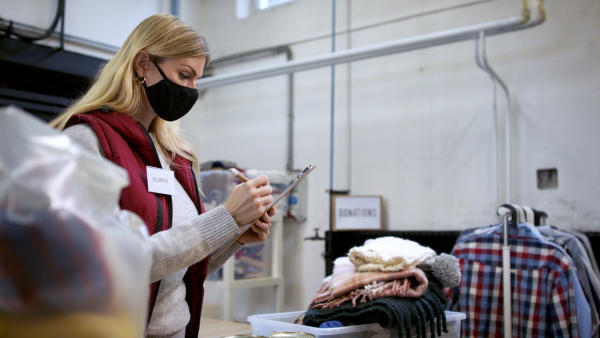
[71,262]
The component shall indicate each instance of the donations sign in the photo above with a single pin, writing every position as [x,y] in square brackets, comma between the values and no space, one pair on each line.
[357,213]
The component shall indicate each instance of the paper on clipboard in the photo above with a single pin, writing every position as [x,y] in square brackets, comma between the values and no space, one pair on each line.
[298,179]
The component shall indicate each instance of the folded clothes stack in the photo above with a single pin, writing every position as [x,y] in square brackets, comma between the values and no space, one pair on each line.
[391,281]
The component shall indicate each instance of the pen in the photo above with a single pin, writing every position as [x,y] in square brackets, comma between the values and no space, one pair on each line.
[238,174]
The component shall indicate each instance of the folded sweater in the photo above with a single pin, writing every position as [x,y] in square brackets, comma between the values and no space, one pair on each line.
[403,314]
[389,254]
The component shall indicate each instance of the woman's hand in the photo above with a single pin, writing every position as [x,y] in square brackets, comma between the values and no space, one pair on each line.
[249,200]
[259,231]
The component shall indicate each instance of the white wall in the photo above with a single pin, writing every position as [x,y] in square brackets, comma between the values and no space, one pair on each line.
[415,128]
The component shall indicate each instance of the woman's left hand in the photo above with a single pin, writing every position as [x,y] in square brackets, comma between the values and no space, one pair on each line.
[259,231]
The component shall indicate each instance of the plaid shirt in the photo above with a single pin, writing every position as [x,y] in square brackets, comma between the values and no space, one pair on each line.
[542,285]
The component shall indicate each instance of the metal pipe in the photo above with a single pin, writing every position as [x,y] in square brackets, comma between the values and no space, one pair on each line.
[290,159]
[360,53]
[332,105]
[332,117]
[528,20]
[482,62]
[60,11]
[510,216]
[175,7]
[62,26]
[248,56]
[66,37]
[506,285]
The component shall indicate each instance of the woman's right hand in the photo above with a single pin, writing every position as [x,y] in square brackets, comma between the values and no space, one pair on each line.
[249,200]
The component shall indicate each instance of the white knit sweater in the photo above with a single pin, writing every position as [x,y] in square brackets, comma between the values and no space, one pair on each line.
[389,254]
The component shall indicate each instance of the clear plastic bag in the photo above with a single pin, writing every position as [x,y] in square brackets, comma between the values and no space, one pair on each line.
[71,262]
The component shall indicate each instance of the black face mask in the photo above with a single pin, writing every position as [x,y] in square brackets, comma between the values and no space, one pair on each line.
[170,100]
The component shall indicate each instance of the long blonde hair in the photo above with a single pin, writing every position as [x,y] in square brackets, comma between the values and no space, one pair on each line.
[115,84]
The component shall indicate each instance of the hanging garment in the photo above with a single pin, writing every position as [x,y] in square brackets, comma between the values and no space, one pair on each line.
[588,248]
[547,298]
[588,278]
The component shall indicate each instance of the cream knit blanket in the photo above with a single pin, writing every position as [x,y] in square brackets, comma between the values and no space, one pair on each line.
[389,254]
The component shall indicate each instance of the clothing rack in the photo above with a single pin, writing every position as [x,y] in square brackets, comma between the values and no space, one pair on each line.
[510,217]
[513,269]
[512,214]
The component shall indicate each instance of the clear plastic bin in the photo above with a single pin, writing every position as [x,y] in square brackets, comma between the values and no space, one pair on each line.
[265,325]
[253,260]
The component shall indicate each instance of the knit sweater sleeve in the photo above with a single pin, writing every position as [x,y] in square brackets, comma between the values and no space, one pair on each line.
[84,136]
[188,242]
[215,264]
[191,241]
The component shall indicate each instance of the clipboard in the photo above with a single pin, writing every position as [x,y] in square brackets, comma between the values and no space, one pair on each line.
[243,229]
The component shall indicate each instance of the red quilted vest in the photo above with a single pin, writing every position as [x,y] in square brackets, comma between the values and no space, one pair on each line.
[127,143]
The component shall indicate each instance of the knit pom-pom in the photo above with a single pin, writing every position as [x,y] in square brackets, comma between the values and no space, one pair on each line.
[446,269]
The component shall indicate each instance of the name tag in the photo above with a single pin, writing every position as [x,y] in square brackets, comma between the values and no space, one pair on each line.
[161,181]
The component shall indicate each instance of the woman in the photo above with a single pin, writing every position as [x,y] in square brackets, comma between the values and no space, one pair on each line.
[126,117]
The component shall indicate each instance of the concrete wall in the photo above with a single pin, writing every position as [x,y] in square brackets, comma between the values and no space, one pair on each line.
[416,128]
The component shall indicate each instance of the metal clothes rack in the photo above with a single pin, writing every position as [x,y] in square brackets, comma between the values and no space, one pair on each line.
[512,214]
[511,219]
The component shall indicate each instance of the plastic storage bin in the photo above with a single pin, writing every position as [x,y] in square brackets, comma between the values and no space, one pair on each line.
[253,260]
[265,325]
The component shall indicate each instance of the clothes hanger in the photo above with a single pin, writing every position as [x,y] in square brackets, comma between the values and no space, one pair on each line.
[540,217]
[529,215]
[520,213]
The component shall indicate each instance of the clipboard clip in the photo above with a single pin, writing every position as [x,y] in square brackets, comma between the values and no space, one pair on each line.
[301,176]
[307,169]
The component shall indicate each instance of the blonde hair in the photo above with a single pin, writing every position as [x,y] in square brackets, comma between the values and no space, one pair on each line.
[163,36]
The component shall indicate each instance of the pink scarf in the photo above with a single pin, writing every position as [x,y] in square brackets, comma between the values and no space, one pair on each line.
[347,284]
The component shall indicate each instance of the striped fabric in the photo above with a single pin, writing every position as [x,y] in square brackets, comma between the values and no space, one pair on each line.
[542,285]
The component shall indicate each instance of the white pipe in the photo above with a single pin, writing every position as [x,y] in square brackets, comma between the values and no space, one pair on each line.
[482,62]
[499,182]
[68,38]
[332,110]
[386,48]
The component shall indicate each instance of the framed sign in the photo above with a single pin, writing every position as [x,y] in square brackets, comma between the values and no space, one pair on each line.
[356,212]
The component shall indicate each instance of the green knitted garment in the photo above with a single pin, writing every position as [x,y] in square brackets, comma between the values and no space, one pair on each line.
[403,314]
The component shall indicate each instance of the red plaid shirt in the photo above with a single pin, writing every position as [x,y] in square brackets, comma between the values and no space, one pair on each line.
[542,286]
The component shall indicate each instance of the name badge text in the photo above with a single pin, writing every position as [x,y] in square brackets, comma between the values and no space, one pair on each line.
[161,181]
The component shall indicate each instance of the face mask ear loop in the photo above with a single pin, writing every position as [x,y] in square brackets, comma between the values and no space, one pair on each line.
[161,72]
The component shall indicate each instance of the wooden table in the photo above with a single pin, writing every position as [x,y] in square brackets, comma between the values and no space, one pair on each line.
[215,328]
